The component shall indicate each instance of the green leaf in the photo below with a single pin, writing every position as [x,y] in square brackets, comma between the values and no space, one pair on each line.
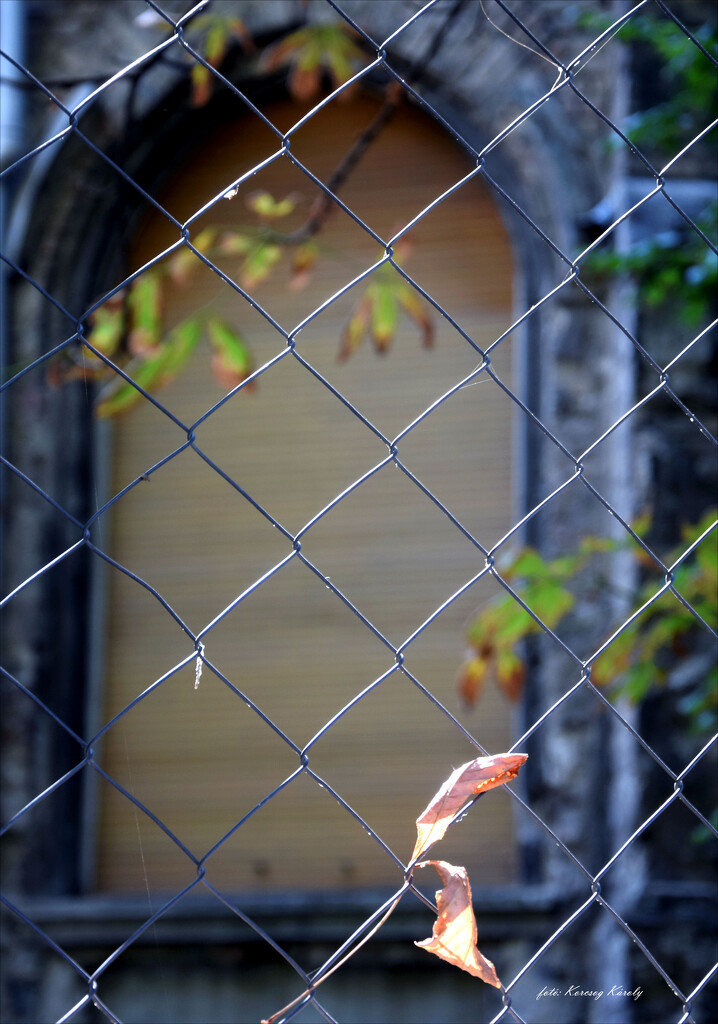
[107,328]
[598,545]
[183,262]
[512,623]
[615,659]
[259,263]
[567,566]
[181,343]
[484,625]
[201,78]
[145,305]
[384,314]
[269,208]
[309,50]
[215,45]
[662,633]
[213,50]
[153,370]
[145,375]
[549,600]
[527,564]
[232,360]
[234,243]
[642,524]
[205,239]
[707,552]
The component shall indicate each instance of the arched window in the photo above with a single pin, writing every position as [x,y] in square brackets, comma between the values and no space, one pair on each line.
[201,760]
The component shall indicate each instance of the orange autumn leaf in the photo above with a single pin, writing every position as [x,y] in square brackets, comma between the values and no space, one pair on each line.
[471,680]
[305,257]
[510,674]
[454,934]
[472,778]
[415,308]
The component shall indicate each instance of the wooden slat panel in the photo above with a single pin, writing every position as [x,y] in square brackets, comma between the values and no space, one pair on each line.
[201,760]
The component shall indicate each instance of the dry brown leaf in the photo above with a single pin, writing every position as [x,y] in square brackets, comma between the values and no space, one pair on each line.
[474,777]
[454,935]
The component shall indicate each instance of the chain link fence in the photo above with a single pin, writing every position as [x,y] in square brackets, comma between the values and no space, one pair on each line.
[180,53]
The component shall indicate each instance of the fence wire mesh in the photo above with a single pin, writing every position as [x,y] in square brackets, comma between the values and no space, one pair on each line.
[180,52]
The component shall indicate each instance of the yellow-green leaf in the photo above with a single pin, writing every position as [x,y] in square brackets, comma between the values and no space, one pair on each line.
[472,676]
[145,305]
[527,563]
[266,206]
[153,370]
[513,622]
[232,360]
[125,396]
[549,601]
[201,84]
[354,331]
[414,306]
[232,243]
[215,45]
[181,343]
[107,328]
[259,263]
[384,314]
[310,50]
[183,262]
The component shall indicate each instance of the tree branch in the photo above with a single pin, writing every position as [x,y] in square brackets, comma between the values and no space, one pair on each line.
[323,205]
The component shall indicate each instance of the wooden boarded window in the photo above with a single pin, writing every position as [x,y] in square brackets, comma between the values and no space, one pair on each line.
[201,760]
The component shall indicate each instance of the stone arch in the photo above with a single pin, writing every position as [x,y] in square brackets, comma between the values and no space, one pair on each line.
[554,182]
[302,666]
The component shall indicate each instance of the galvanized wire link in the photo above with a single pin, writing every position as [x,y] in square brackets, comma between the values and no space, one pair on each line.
[576,478]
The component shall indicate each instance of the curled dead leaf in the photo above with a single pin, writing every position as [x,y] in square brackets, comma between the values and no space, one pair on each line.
[454,934]
[472,778]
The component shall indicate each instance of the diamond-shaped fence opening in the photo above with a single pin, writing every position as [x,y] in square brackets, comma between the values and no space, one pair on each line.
[343,341]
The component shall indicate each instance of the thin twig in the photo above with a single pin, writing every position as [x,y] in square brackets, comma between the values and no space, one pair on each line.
[347,956]
[352,157]
[349,161]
